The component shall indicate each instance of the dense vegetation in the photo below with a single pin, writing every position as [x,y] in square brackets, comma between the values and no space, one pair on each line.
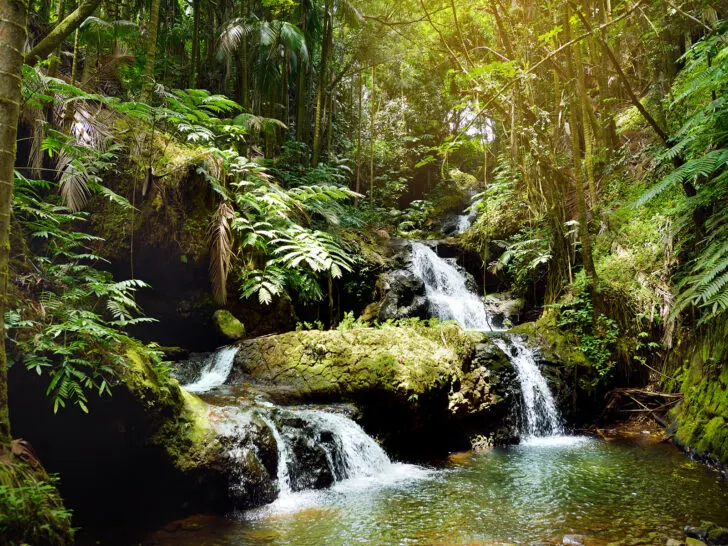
[284,142]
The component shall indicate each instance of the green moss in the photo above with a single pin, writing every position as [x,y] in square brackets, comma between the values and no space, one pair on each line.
[177,421]
[228,325]
[407,360]
[700,362]
[557,345]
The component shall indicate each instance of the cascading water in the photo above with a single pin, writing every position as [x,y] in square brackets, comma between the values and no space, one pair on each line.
[446,290]
[284,457]
[540,417]
[216,370]
[353,454]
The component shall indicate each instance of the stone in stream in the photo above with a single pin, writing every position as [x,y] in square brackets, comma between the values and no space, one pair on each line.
[673,542]
[708,532]
[573,540]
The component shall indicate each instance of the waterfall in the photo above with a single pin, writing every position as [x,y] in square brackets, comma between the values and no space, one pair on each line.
[349,452]
[540,416]
[353,454]
[284,457]
[216,370]
[447,293]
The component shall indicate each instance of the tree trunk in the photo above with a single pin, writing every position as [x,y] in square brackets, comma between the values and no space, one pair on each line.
[301,104]
[358,141]
[301,84]
[371,137]
[330,122]
[321,91]
[586,119]
[53,68]
[13,33]
[586,250]
[151,52]
[62,30]
[194,61]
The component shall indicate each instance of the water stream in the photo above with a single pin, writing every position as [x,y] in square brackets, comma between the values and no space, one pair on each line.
[628,492]
[446,289]
[631,491]
[216,370]
[539,416]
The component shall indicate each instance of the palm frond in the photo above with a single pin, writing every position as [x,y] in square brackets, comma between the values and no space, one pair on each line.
[221,251]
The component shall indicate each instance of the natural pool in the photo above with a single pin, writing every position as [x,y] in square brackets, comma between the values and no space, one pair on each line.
[622,491]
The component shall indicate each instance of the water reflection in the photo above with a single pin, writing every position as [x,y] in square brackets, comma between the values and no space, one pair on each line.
[630,491]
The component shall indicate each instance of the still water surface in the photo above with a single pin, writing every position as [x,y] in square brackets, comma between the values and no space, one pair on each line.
[623,491]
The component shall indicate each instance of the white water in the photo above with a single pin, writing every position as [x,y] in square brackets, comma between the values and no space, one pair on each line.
[216,371]
[465,221]
[357,462]
[542,423]
[284,456]
[447,292]
[358,453]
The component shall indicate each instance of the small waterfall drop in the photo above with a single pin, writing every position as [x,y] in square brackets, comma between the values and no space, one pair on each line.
[540,416]
[284,456]
[447,293]
[215,372]
[354,454]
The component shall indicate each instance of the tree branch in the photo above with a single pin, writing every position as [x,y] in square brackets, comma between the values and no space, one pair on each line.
[46,46]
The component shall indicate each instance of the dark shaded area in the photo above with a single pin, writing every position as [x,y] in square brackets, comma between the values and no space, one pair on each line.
[111,477]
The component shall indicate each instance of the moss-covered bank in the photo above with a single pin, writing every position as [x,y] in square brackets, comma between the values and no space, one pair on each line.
[700,371]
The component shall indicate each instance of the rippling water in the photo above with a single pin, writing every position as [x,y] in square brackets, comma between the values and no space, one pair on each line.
[625,492]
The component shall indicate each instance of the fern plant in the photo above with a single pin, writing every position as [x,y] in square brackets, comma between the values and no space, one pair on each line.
[699,95]
[70,321]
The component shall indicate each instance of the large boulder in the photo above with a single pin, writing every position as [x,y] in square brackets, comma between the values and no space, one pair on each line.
[423,391]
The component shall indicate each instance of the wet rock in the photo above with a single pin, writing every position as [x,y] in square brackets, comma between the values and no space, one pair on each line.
[309,468]
[690,541]
[674,542]
[708,532]
[504,309]
[404,296]
[370,313]
[573,540]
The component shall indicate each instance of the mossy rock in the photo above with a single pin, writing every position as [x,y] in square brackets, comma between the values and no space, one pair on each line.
[228,326]
[327,363]
[700,421]
[421,390]
[556,345]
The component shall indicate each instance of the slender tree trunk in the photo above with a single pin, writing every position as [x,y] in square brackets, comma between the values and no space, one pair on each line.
[301,88]
[371,136]
[358,141]
[13,33]
[74,66]
[586,119]
[151,52]
[586,250]
[301,92]
[321,91]
[46,46]
[53,68]
[285,94]
[330,122]
[194,61]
